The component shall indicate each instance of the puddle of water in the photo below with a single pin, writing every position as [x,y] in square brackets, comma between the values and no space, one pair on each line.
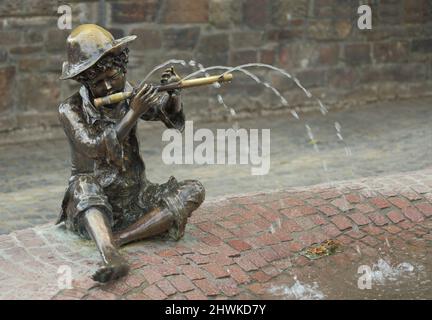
[391,275]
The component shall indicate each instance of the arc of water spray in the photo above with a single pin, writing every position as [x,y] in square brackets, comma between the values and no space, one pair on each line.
[242,69]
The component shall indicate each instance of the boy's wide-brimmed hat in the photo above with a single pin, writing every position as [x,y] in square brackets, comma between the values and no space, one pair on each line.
[87,44]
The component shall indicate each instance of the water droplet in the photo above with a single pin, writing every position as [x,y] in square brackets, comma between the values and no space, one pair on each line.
[294,113]
[233,112]
[220,99]
[216,85]
[192,63]
[337,126]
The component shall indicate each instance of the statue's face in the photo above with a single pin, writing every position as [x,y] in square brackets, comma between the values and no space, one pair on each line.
[110,81]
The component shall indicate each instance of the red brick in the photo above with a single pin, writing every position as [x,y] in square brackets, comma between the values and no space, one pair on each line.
[221,259]
[268,254]
[380,203]
[182,283]
[256,259]
[283,264]
[328,210]
[267,239]
[305,222]
[331,231]
[295,246]
[134,281]
[137,296]
[270,215]
[193,272]
[198,258]
[298,211]
[359,218]
[399,202]
[245,264]
[271,271]
[370,241]
[151,276]
[238,274]
[195,295]
[392,229]
[406,224]
[207,287]
[239,245]
[167,253]
[216,270]
[228,287]
[330,195]
[282,235]
[395,216]
[204,249]
[237,219]
[166,287]
[364,208]
[261,276]
[285,203]
[342,204]
[344,239]
[291,226]
[101,295]
[353,198]
[413,214]
[425,208]
[378,219]
[317,220]
[282,250]
[355,234]
[316,202]
[342,222]
[183,249]
[262,224]
[167,269]
[411,195]
[370,229]
[251,215]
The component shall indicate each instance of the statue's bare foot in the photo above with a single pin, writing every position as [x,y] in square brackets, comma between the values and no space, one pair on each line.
[115,269]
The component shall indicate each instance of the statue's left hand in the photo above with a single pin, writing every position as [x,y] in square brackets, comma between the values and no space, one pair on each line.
[169,76]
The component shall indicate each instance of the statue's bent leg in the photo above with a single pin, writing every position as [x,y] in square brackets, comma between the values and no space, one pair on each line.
[153,223]
[97,226]
[171,217]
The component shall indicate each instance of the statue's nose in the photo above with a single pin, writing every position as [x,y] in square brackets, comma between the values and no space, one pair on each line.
[108,85]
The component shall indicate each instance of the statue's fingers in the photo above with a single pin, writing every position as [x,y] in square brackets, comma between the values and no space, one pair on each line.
[152,94]
[142,90]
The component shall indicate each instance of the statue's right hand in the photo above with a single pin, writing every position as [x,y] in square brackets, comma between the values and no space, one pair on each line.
[146,97]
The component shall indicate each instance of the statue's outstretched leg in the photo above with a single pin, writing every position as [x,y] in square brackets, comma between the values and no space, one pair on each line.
[98,228]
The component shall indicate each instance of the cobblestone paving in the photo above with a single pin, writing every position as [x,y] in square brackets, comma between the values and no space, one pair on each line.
[383,138]
[242,247]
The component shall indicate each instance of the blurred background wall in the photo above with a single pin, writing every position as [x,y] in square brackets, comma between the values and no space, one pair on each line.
[316,40]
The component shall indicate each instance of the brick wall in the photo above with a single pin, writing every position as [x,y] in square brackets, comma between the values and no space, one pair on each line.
[316,40]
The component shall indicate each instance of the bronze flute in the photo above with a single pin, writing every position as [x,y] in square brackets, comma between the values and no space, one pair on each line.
[117,97]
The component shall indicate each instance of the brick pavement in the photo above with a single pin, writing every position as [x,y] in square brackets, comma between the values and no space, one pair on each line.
[237,247]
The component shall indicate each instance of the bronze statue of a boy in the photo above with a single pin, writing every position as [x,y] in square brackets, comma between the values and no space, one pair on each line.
[109,198]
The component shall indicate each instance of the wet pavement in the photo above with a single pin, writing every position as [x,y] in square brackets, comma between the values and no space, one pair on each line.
[252,247]
[383,138]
